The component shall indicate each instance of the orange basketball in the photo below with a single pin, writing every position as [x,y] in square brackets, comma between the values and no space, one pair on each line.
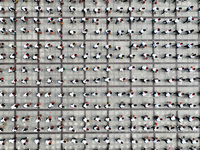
[51,33]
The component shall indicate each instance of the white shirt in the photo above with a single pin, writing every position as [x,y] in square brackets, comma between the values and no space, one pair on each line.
[73,56]
[35,57]
[190,18]
[155,45]
[176,20]
[1,57]
[24,8]
[96,46]
[50,105]
[35,19]
[168,21]
[11,141]
[25,56]
[59,9]
[22,29]
[37,141]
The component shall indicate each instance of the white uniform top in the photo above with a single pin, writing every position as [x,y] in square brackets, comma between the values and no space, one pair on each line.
[71,32]
[180,31]
[107,46]
[48,8]
[24,8]
[35,57]
[59,9]
[189,18]
[35,19]
[12,56]
[168,21]
[94,20]
[11,141]
[96,46]
[22,29]
[37,29]
[155,44]
[131,18]
[176,20]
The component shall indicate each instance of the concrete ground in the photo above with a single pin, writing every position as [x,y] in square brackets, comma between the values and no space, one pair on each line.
[124,41]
